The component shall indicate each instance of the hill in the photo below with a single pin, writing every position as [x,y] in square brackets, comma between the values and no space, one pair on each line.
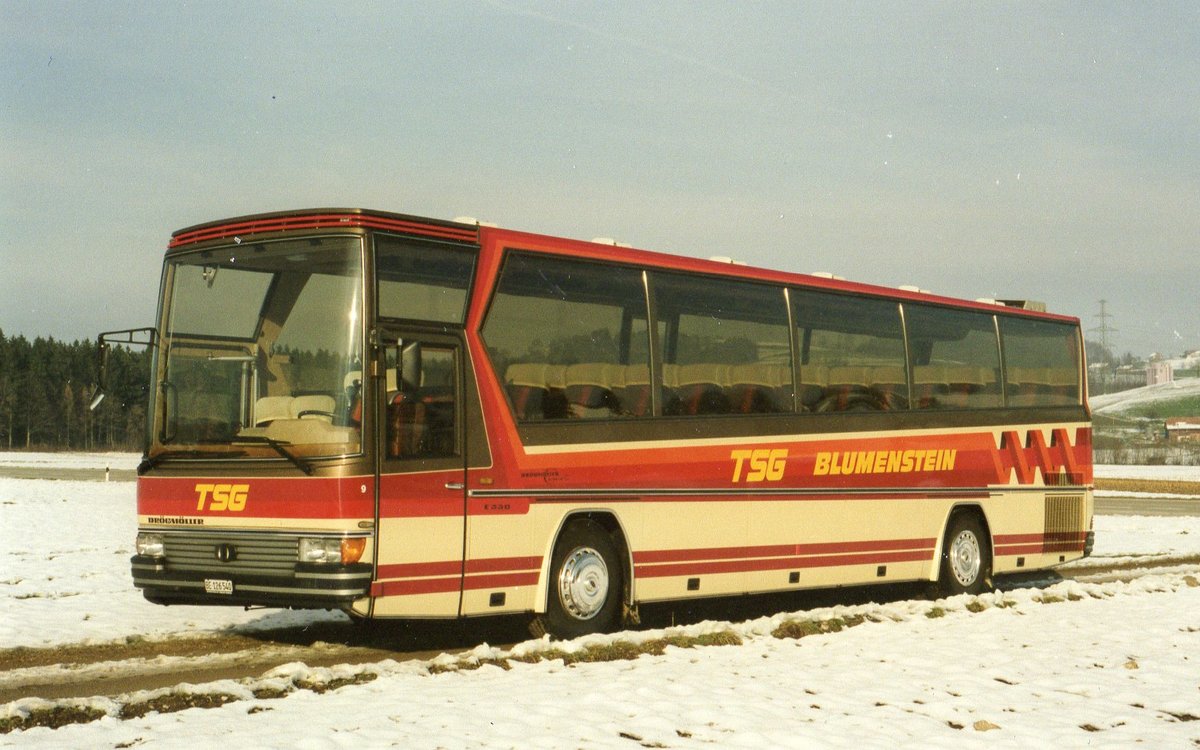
[1130,425]
[1180,398]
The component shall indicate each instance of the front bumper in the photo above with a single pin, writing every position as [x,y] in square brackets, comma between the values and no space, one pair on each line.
[245,569]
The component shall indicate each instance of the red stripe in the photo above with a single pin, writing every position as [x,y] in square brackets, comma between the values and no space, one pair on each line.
[1036,544]
[420,507]
[1067,536]
[779,550]
[1001,540]
[1063,547]
[743,566]
[454,567]
[320,221]
[1019,549]
[420,570]
[1054,536]
[1038,549]
[741,498]
[287,498]
[415,586]
[503,564]
[501,581]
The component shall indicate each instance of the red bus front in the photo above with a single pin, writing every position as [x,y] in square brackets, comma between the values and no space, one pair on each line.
[274,383]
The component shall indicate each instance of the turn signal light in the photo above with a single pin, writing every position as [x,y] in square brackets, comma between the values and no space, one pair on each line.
[352,549]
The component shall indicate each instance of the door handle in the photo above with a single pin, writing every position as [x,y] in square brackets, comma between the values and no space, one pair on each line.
[455,485]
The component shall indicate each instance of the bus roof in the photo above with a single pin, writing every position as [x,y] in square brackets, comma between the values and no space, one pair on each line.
[605,250]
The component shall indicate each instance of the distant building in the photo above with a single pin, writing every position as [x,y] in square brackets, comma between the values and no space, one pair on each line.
[1159,372]
[1183,429]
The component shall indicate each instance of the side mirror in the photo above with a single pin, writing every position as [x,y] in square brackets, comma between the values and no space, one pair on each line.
[104,342]
[101,372]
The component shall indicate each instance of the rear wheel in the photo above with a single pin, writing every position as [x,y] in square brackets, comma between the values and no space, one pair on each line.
[585,582]
[966,557]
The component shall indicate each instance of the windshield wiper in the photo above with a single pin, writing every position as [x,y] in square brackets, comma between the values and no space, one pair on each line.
[149,462]
[279,446]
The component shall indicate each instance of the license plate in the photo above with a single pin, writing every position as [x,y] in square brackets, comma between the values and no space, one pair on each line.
[217,586]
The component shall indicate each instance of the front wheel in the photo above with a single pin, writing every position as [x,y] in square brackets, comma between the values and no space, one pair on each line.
[585,582]
[966,557]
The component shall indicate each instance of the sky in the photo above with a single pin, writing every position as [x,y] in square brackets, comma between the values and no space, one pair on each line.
[1046,151]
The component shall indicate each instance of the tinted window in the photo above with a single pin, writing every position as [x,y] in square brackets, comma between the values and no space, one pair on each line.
[1041,362]
[956,358]
[851,353]
[569,338]
[422,281]
[724,346]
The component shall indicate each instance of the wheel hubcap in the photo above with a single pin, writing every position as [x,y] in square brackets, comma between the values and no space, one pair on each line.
[965,558]
[583,583]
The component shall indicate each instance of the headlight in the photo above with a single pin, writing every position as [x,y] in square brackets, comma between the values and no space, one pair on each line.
[150,545]
[332,551]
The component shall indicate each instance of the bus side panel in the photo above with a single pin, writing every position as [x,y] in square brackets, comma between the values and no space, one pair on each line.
[506,546]
[1066,517]
[419,572]
[719,517]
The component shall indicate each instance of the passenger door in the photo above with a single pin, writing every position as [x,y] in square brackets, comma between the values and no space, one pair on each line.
[421,442]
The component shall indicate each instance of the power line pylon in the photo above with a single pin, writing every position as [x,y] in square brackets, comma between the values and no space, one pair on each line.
[1104,328]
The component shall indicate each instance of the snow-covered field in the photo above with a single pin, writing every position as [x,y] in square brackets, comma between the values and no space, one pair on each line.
[1079,664]
[1121,401]
[1158,473]
[51,461]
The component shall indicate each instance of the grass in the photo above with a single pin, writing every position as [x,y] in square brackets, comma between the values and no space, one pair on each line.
[1184,406]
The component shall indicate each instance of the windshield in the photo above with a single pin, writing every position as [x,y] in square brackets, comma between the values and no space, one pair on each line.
[261,354]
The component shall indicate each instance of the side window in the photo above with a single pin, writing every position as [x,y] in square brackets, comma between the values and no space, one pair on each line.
[421,405]
[956,358]
[422,280]
[724,345]
[851,353]
[1041,362]
[569,338]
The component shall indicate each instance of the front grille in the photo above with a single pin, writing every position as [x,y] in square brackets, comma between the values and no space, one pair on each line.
[252,553]
[1066,523]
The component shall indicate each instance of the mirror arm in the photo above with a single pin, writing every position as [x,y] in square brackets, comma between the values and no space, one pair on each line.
[104,343]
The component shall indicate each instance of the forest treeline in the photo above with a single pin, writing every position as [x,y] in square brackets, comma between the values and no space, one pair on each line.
[47,385]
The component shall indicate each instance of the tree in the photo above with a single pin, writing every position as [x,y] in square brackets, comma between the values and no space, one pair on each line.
[8,389]
[45,389]
[1098,353]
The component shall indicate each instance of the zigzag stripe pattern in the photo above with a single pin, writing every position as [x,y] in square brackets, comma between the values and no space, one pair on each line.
[1027,459]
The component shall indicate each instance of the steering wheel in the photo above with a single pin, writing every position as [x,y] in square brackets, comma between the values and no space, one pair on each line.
[315,413]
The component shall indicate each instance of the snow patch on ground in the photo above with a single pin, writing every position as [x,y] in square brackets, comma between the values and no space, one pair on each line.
[1073,665]
[128,461]
[1159,473]
[1112,664]
[1122,401]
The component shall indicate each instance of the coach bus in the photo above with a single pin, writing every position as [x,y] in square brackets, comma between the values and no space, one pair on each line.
[401,417]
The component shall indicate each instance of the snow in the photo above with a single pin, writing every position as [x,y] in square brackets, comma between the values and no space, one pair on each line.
[1157,473]
[127,461]
[1122,401]
[1078,663]
[65,572]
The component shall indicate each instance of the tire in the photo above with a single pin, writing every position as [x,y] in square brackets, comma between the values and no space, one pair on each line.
[966,557]
[585,587]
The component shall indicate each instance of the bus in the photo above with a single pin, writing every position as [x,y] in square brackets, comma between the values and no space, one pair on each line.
[401,417]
